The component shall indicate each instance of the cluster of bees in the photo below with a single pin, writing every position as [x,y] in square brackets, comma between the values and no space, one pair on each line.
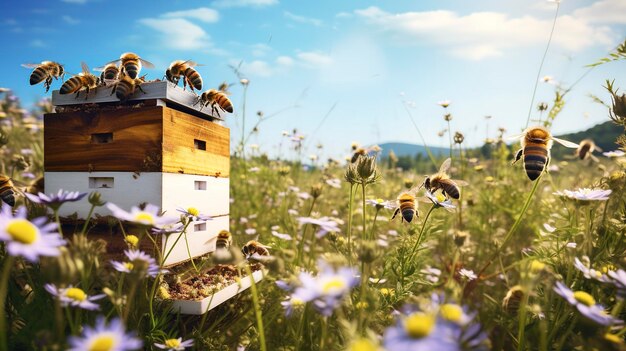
[123,76]
[536,143]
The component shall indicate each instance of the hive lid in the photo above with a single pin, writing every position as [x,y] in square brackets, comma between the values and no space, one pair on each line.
[163,93]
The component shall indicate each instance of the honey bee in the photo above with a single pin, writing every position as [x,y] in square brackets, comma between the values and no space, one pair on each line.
[84,80]
[359,152]
[213,97]
[110,73]
[7,190]
[37,186]
[585,150]
[441,180]
[131,64]
[44,72]
[224,240]
[126,87]
[254,247]
[536,143]
[407,206]
[224,87]
[185,69]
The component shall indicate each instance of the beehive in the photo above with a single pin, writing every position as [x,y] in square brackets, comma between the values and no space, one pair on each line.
[159,148]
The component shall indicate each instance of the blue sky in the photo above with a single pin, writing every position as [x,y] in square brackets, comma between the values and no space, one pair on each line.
[370,60]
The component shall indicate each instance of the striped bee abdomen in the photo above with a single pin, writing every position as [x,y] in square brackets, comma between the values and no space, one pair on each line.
[38,75]
[131,69]
[535,159]
[451,189]
[194,78]
[70,85]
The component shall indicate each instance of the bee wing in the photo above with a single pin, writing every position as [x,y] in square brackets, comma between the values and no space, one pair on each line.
[513,137]
[424,199]
[99,69]
[460,182]
[445,165]
[85,67]
[30,65]
[566,143]
[146,64]
[112,62]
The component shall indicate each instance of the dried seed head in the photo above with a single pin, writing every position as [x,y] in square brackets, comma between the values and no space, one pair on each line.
[542,106]
[447,117]
[458,137]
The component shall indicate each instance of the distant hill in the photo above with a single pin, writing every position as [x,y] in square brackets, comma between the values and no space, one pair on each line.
[603,134]
[405,149]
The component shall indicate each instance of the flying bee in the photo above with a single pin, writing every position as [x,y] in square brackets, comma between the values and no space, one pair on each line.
[84,80]
[441,180]
[44,72]
[7,190]
[224,240]
[126,87]
[536,143]
[110,73]
[585,150]
[407,206]
[131,64]
[213,97]
[359,152]
[36,186]
[254,247]
[224,87]
[184,69]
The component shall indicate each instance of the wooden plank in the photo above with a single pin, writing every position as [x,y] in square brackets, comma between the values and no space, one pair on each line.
[181,154]
[210,302]
[162,90]
[135,145]
[145,139]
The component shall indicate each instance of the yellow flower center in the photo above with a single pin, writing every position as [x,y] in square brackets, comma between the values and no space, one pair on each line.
[76,294]
[132,240]
[23,231]
[172,343]
[385,291]
[451,312]
[537,266]
[296,302]
[129,265]
[193,211]
[104,342]
[144,217]
[363,345]
[361,305]
[440,197]
[332,285]
[419,325]
[584,298]
[379,201]
[489,179]
[608,268]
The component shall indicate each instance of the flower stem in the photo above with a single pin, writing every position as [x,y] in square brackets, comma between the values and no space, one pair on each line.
[522,322]
[364,212]
[420,236]
[4,282]
[257,308]
[350,224]
[513,228]
[84,230]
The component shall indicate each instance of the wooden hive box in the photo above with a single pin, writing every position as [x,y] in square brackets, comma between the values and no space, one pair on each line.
[158,149]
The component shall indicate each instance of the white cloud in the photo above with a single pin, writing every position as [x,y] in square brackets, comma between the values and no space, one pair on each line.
[344,15]
[603,11]
[482,35]
[260,50]
[314,59]
[257,68]
[179,33]
[301,19]
[38,43]
[70,20]
[81,2]
[244,3]
[284,61]
[203,14]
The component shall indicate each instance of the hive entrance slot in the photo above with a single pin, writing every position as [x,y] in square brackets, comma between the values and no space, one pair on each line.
[101,138]
[199,227]
[101,182]
[199,144]
[199,185]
